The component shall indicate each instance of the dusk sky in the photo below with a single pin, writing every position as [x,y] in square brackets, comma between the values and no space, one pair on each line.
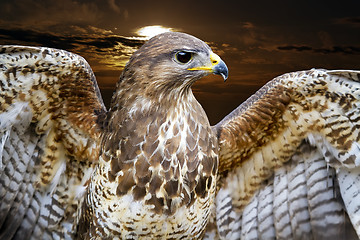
[258,40]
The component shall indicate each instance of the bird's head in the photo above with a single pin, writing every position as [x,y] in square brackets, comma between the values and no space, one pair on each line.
[174,60]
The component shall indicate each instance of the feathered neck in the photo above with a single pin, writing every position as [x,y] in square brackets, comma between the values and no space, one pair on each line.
[136,92]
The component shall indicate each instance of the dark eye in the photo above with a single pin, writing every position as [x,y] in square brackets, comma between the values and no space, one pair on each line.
[183,57]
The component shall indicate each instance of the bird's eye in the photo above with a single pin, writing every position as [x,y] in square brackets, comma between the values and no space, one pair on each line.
[183,57]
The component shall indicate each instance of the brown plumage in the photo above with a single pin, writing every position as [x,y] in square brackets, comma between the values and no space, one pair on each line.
[152,167]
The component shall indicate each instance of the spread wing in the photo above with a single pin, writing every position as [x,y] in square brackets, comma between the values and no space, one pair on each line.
[50,106]
[289,160]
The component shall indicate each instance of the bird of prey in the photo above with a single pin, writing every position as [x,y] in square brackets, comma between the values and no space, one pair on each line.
[283,165]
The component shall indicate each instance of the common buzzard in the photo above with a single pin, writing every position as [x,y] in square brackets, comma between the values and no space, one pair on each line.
[284,164]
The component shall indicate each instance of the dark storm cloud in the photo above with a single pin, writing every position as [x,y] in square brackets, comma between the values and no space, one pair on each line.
[297,48]
[14,36]
[22,36]
[332,50]
[350,21]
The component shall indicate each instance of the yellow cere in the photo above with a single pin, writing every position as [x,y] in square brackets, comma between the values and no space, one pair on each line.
[214,60]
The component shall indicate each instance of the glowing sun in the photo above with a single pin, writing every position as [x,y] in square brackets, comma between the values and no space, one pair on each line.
[150,31]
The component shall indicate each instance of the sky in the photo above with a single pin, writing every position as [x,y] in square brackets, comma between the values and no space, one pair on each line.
[258,40]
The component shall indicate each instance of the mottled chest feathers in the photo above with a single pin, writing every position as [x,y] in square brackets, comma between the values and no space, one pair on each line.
[165,160]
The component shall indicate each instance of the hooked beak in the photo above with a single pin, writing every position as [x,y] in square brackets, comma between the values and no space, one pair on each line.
[217,66]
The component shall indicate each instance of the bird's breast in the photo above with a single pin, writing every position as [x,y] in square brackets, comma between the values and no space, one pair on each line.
[160,175]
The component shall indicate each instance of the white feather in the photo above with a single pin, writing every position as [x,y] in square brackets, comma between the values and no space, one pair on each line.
[60,166]
[349,183]
[18,114]
[4,138]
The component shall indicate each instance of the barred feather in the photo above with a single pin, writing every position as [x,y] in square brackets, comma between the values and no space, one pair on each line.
[38,134]
[300,201]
